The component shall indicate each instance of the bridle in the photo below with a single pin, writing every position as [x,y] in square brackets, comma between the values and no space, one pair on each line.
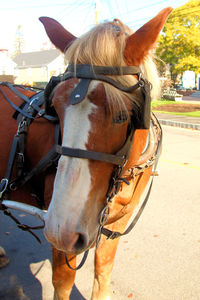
[86,73]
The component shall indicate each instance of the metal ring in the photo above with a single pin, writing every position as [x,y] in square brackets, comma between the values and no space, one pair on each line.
[104,215]
[13,186]
[141,83]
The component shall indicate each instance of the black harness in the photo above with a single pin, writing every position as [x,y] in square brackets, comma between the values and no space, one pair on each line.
[86,73]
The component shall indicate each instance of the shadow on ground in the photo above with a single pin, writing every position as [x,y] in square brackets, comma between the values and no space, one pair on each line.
[28,275]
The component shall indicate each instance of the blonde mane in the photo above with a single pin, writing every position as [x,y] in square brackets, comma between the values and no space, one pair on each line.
[104,46]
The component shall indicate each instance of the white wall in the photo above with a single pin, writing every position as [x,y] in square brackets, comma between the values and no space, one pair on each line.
[56,67]
[7,66]
[198,81]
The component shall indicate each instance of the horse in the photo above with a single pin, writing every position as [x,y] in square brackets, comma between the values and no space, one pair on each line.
[103,143]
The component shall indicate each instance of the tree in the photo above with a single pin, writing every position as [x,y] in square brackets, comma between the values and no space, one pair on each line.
[179,45]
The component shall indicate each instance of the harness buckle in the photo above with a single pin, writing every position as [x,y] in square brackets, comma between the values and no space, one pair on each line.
[3,186]
[20,157]
[41,112]
[33,100]
[22,128]
[113,235]
[140,80]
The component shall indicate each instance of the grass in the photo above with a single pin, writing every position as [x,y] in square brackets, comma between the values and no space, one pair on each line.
[156,103]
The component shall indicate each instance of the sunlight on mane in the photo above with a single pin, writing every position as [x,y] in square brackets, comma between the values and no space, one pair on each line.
[104,46]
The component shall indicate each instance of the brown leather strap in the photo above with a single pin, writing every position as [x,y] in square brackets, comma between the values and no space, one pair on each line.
[81,263]
[100,156]
[22,226]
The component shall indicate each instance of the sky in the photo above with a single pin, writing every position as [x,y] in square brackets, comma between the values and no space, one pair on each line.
[76,16]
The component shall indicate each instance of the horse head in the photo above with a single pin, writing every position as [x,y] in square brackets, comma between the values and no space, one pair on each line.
[98,122]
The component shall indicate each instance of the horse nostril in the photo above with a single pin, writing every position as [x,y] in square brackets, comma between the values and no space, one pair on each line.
[81,242]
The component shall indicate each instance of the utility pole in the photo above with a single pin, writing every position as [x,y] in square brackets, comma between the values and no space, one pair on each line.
[97,4]
[19,41]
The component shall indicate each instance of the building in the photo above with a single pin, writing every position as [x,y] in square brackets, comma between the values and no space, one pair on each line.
[36,68]
[7,67]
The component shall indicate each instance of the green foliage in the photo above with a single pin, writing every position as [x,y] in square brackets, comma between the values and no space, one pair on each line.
[156,103]
[195,114]
[179,44]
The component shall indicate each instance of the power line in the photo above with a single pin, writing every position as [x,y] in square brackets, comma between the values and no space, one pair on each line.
[142,7]
[137,21]
[110,8]
[77,6]
[36,6]
[183,11]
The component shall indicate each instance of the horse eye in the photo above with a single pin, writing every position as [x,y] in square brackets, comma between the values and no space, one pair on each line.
[121,117]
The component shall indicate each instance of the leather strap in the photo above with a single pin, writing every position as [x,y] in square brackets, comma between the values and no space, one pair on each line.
[22,226]
[81,263]
[15,106]
[88,70]
[100,156]
[27,100]
[48,160]
[88,73]
[146,113]
[115,234]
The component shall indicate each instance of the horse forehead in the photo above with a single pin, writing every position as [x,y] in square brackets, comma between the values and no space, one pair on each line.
[76,118]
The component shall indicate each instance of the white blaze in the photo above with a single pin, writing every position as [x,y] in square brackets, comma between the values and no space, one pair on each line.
[73,180]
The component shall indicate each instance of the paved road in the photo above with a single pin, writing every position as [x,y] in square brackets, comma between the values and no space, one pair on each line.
[159,260]
[193,98]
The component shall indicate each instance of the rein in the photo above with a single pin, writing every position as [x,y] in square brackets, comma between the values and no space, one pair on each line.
[29,101]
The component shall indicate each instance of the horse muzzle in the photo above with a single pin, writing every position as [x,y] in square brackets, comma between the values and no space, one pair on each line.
[70,242]
[69,236]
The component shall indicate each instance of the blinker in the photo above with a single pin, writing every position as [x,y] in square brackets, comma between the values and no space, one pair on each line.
[54,81]
[80,91]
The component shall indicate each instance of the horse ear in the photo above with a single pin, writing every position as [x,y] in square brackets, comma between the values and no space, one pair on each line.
[58,35]
[139,43]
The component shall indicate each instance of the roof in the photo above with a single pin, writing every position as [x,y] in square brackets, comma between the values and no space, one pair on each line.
[36,59]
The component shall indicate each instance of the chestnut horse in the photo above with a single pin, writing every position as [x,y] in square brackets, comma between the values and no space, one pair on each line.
[108,144]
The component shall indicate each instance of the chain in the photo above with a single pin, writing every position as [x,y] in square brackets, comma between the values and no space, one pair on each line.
[113,189]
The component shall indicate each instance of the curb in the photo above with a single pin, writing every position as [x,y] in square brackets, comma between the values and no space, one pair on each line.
[179,124]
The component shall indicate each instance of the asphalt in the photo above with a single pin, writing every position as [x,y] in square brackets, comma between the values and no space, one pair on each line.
[157,260]
[182,121]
